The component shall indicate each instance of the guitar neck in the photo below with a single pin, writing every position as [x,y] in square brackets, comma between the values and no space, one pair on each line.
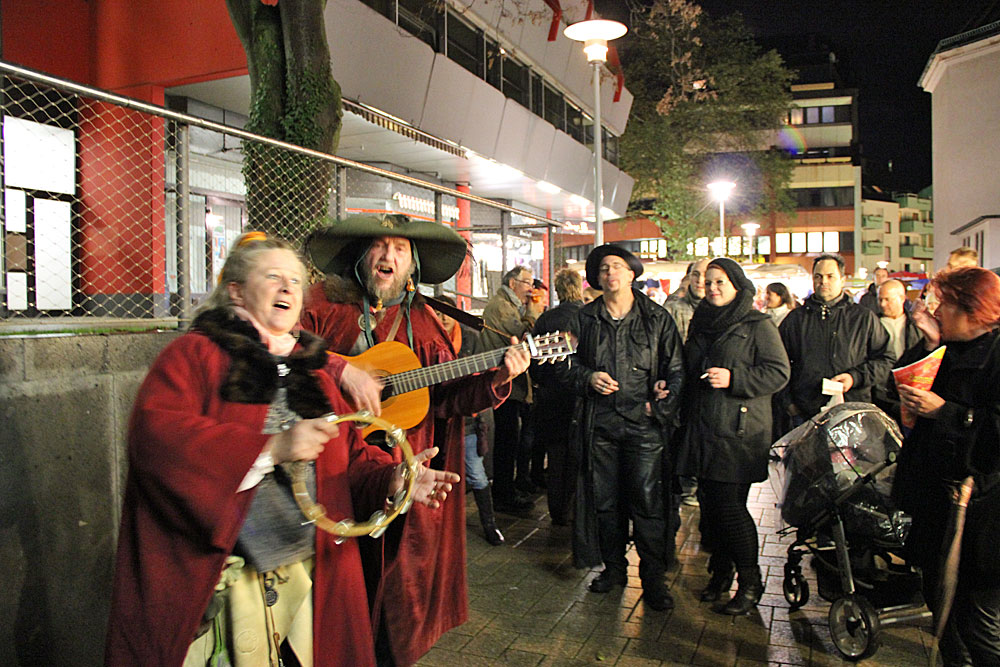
[418,378]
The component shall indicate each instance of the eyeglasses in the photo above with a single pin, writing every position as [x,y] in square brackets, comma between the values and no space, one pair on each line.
[525,282]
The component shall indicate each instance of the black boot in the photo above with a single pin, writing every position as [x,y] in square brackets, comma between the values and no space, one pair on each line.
[721,581]
[484,501]
[747,595]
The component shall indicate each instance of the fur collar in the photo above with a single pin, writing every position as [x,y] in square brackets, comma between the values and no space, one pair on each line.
[253,372]
[342,290]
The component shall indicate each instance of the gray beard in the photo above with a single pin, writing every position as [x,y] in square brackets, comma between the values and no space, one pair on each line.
[393,291]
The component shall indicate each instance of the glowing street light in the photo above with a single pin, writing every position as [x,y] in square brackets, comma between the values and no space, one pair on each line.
[595,34]
[720,191]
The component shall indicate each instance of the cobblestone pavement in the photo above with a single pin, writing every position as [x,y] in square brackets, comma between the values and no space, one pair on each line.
[529,606]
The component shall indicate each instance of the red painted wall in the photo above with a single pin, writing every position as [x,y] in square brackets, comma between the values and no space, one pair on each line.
[53,36]
[121,212]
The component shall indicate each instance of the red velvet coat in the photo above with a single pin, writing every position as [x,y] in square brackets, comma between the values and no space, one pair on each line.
[189,449]
[425,591]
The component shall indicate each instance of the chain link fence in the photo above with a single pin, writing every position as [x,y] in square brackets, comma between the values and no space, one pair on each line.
[119,214]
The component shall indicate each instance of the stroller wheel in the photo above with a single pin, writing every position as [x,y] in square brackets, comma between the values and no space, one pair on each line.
[854,627]
[796,590]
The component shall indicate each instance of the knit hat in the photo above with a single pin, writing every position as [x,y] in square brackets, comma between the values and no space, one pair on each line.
[734,271]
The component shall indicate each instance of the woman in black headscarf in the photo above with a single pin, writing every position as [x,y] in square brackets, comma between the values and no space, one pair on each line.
[734,361]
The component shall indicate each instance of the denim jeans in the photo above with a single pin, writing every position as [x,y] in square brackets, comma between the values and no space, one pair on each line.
[475,472]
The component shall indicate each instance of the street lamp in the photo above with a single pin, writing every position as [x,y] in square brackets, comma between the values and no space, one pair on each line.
[595,34]
[720,192]
[750,229]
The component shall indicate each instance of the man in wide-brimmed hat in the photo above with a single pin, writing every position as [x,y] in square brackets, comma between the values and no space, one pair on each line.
[629,371]
[372,266]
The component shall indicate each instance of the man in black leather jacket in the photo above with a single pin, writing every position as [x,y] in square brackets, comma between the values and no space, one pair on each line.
[831,337]
[629,370]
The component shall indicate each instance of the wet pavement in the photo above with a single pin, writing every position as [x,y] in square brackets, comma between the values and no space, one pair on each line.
[529,606]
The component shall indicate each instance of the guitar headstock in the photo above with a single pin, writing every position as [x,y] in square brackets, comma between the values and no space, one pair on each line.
[550,347]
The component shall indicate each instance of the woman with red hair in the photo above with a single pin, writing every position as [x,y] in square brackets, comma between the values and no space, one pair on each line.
[957,435]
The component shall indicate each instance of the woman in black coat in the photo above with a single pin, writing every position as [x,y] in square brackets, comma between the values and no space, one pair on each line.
[734,361]
[957,434]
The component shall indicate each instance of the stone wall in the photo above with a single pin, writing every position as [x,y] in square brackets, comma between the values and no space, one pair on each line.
[64,407]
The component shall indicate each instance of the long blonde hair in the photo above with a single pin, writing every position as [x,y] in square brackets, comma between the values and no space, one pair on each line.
[241,261]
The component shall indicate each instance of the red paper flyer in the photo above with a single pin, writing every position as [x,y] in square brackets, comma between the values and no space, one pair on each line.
[919,374]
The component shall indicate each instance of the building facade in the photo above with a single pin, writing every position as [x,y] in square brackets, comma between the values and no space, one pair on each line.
[961,76]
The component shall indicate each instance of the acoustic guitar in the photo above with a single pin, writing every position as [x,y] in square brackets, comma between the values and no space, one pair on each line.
[406,397]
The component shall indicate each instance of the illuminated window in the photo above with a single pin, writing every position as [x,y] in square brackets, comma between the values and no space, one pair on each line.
[831,241]
[796,116]
[814,242]
[798,242]
[812,115]
[735,245]
[782,242]
[701,247]
[764,245]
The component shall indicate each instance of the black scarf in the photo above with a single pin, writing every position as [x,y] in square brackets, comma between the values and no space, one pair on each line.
[253,372]
[710,321]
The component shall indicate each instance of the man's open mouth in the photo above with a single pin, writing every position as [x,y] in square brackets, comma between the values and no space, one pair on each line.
[283,305]
[384,271]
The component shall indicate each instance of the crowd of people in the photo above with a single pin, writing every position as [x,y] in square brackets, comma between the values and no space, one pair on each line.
[660,405]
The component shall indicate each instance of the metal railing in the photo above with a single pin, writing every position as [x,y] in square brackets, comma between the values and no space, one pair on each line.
[118,212]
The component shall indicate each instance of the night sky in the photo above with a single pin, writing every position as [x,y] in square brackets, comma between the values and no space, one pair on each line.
[882,47]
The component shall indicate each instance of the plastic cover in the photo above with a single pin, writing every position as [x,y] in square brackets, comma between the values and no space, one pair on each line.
[816,463]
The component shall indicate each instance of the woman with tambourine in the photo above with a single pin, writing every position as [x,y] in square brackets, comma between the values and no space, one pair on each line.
[215,560]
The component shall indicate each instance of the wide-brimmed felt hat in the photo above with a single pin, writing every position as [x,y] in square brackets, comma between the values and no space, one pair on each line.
[335,249]
[602,251]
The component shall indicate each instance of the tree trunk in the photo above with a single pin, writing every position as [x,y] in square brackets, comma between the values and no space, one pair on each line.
[293,97]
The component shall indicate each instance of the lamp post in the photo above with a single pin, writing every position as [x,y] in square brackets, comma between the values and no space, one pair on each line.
[595,34]
[750,228]
[720,191]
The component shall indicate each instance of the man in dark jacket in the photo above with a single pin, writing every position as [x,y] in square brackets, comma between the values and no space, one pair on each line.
[870,298]
[553,407]
[629,370]
[831,338]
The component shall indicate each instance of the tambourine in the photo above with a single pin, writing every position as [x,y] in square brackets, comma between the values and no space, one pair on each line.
[380,520]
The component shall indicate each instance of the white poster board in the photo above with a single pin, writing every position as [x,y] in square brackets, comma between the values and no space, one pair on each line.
[17,290]
[53,255]
[15,215]
[38,157]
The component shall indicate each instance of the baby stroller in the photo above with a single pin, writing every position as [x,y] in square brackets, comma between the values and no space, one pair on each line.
[832,475]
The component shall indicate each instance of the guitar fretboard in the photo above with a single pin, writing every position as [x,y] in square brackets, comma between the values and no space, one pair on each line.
[418,378]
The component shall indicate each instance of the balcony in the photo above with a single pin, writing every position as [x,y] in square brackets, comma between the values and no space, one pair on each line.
[872,222]
[871,247]
[916,227]
[916,251]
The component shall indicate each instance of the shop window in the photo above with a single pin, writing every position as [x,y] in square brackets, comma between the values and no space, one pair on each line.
[420,19]
[798,241]
[515,81]
[494,64]
[537,96]
[764,245]
[575,123]
[831,241]
[554,107]
[782,242]
[465,45]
